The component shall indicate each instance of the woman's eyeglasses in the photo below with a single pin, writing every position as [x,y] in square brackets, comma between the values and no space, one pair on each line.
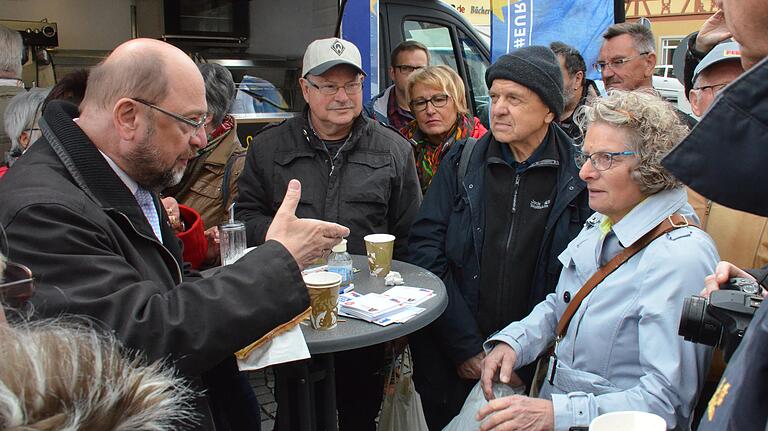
[601,160]
[438,101]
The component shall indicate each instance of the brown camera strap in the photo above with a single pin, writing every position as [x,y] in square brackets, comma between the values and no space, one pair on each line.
[670,223]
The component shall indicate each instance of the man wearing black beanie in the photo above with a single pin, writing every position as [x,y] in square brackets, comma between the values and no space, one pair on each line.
[493,230]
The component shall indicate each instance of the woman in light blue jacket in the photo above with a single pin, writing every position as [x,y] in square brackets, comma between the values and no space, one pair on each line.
[621,350]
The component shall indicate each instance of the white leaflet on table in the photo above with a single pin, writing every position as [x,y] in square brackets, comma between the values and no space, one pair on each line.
[410,295]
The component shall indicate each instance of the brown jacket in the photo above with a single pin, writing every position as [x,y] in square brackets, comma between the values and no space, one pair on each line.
[201,188]
[741,238]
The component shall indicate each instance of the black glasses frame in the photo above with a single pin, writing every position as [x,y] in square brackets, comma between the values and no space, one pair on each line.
[438,101]
[196,125]
[407,68]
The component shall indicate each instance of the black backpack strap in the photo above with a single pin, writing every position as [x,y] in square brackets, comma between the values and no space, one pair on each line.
[466,154]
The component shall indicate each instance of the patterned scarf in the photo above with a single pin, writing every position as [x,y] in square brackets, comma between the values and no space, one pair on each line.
[427,154]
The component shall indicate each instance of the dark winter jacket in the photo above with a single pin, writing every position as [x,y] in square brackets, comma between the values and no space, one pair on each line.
[370,186]
[76,225]
[447,238]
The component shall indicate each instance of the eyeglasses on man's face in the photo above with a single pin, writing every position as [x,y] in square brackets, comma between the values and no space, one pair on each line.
[715,88]
[438,101]
[18,285]
[407,69]
[617,64]
[354,87]
[601,160]
[196,124]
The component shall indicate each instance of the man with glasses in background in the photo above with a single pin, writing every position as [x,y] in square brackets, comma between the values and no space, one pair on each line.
[81,210]
[627,59]
[407,57]
[355,172]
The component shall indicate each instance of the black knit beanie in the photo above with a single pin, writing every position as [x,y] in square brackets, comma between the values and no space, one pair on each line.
[535,67]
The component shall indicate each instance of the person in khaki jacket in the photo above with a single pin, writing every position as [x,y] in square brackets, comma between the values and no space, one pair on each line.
[209,185]
[741,238]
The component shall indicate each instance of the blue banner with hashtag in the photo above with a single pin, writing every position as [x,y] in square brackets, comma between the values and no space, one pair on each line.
[579,23]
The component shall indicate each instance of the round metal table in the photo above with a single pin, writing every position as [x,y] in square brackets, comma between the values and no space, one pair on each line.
[352,333]
[299,384]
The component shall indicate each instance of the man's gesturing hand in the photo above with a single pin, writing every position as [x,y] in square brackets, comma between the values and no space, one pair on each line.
[305,239]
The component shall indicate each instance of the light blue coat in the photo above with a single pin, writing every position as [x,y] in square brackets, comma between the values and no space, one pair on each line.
[622,350]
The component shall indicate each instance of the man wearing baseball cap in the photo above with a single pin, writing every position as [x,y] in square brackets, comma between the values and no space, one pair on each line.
[354,171]
[493,232]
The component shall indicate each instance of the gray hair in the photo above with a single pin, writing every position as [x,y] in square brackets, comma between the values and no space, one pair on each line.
[21,113]
[59,375]
[11,51]
[653,126]
[641,36]
[220,90]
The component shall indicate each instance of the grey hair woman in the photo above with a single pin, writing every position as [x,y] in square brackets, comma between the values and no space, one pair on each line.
[651,126]
[21,119]
[622,351]
[66,376]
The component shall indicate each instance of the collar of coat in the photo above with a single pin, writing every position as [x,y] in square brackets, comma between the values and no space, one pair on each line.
[88,168]
[647,214]
[359,126]
[724,157]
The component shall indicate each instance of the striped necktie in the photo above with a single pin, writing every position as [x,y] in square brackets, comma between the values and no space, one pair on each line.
[144,198]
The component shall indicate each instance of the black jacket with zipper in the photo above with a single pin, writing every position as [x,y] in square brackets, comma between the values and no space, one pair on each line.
[370,185]
[76,225]
[447,239]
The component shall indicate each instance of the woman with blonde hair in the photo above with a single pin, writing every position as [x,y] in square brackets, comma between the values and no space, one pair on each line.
[438,102]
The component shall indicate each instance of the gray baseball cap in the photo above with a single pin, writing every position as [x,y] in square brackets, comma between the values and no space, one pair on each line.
[727,51]
[324,54]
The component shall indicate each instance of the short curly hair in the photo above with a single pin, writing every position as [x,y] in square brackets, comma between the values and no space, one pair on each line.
[654,128]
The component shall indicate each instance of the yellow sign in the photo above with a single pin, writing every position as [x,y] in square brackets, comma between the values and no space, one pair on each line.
[477,12]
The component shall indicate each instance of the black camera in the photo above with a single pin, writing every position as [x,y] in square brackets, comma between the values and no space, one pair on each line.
[722,319]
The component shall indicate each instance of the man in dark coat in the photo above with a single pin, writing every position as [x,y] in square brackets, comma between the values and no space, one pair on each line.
[83,214]
[724,159]
[493,233]
[356,171]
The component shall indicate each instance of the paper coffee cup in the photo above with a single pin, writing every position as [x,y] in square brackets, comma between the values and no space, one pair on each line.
[323,288]
[628,421]
[379,248]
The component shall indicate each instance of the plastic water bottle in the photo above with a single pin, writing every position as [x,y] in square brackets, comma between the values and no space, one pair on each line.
[340,262]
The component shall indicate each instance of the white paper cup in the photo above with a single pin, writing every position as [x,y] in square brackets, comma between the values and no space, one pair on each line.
[628,421]
[323,288]
[379,247]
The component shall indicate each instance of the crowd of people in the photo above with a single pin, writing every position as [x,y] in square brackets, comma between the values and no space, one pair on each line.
[567,235]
